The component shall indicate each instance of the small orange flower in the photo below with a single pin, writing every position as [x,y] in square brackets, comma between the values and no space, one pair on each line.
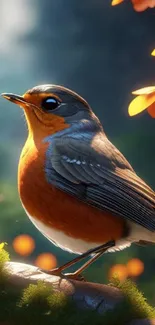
[144,100]
[139,5]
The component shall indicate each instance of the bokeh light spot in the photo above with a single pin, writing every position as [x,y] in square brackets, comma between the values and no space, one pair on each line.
[135,267]
[46,261]
[118,270]
[23,245]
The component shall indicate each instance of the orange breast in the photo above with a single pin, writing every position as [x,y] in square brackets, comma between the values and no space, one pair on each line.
[59,210]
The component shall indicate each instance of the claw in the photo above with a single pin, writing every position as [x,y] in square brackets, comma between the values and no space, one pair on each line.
[74,276]
[57,272]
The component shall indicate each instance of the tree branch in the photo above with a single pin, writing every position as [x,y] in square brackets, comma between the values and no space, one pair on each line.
[86,295]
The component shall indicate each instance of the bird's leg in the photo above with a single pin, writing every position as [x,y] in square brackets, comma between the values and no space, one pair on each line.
[77,274]
[98,251]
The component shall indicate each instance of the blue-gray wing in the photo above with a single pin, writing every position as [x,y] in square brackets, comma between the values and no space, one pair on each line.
[98,174]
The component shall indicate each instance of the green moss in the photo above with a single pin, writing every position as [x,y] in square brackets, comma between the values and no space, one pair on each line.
[4,257]
[38,304]
[134,304]
[35,295]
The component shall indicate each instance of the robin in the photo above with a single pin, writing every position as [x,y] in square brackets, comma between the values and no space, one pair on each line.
[75,186]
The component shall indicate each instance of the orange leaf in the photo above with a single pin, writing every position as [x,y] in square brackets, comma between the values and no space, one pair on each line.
[140,103]
[144,91]
[151,110]
[141,5]
[116,2]
[153,53]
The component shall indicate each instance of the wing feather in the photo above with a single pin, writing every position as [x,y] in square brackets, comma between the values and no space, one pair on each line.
[98,174]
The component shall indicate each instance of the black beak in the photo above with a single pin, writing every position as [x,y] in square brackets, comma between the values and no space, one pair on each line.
[14,98]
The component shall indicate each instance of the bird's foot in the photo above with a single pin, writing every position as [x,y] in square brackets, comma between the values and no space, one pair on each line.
[56,272]
[74,276]
[71,276]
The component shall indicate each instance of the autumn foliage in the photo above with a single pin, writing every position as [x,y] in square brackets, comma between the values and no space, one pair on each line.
[138,5]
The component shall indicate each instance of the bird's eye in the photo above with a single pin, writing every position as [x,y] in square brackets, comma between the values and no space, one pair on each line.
[50,103]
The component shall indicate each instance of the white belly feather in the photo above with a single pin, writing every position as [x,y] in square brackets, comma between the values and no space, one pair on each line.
[79,246]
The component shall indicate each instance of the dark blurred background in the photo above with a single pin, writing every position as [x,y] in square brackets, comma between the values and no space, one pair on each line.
[103,53]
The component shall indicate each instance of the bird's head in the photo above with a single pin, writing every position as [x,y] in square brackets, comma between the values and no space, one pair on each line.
[51,108]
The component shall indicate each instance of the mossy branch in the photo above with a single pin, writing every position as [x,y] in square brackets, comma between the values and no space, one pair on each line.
[28,297]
